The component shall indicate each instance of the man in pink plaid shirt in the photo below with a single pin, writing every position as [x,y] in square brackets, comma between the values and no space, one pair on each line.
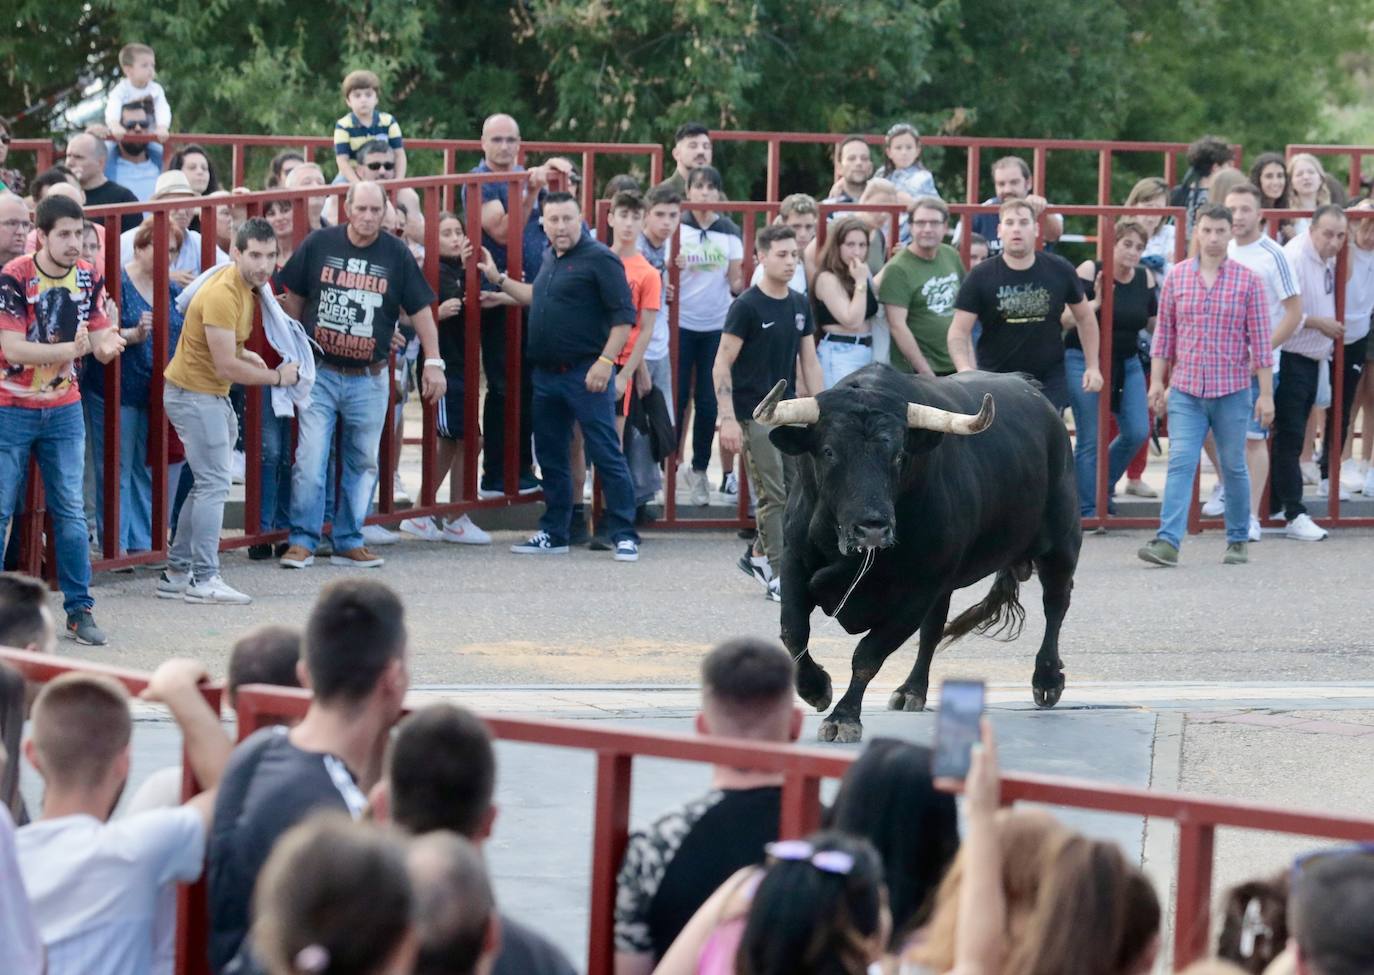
[1212,335]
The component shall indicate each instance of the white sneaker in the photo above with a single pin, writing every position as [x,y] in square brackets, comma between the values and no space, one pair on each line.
[377,535]
[238,466]
[215,590]
[1304,529]
[172,584]
[698,490]
[1256,533]
[731,486]
[1324,490]
[774,592]
[1368,491]
[1311,473]
[398,490]
[462,531]
[422,528]
[1215,506]
[1353,474]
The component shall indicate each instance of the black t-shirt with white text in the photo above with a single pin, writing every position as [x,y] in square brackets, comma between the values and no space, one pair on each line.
[772,330]
[1020,312]
[354,295]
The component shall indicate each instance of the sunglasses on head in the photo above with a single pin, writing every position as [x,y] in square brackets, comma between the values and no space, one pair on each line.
[374,166]
[1308,860]
[799,851]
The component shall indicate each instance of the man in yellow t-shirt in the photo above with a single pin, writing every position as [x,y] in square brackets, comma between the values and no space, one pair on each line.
[209,358]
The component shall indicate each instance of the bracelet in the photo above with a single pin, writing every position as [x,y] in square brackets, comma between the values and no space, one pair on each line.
[436,363]
[278,372]
[609,361]
[502,282]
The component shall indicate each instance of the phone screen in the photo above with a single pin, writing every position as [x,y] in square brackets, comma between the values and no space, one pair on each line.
[956,727]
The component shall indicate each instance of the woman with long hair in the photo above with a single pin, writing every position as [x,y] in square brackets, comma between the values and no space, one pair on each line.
[712,253]
[843,300]
[820,909]
[1134,307]
[199,168]
[888,798]
[1307,188]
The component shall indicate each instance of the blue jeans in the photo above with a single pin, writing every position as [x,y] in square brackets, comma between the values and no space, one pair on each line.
[357,405]
[135,477]
[1133,418]
[57,437]
[1190,417]
[274,479]
[559,399]
[696,352]
[839,359]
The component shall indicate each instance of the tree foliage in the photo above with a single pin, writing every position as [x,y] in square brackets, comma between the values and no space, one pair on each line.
[631,70]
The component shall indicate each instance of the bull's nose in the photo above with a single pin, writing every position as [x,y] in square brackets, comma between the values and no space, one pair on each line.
[873,532]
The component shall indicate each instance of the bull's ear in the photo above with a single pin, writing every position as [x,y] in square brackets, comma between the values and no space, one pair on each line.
[920,441]
[792,440]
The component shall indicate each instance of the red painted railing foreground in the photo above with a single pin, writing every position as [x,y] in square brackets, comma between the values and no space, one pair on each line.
[803,769]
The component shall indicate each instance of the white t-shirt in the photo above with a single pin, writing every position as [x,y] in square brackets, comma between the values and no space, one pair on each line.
[797,284]
[704,284]
[1359,293]
[125,92]
[1266,258]
[95,886]
[21,951]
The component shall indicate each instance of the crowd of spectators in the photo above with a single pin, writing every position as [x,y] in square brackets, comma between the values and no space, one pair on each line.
[338,325]
[352,840]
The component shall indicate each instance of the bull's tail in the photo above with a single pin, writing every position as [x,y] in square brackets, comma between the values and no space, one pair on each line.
[999,614]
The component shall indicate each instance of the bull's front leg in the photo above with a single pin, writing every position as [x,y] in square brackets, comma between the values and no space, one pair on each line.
[843,723]
[813,683]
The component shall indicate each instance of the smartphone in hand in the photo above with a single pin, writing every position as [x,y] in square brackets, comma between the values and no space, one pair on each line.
[957,727]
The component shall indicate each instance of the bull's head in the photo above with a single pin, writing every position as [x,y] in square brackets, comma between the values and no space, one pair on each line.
[861,451]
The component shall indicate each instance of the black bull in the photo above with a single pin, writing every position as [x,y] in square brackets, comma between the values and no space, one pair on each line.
[929,512]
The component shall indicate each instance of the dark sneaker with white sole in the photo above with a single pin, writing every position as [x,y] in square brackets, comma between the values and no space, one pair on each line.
[81,628]
[540,543]
[627,550]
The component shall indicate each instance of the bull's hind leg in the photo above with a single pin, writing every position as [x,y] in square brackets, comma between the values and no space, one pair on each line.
[843,724]
[911,696]
[1056,581]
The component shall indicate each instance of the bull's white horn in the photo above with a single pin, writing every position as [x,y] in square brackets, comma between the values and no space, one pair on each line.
[776,411]
[920,417]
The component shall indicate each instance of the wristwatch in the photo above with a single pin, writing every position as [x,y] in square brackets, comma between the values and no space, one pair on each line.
[436,363]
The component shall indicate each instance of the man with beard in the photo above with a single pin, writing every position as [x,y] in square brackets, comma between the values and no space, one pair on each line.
[51,314]
[1019,296]
[95,883]
[135,164]
[691,148]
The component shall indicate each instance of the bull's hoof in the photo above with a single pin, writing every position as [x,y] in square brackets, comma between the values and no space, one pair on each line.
[840,731]
[906,700]
[1048,697]
[814,693]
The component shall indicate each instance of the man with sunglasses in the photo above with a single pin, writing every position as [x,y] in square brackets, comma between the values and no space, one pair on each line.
[135,163]
[1329,911]
[377,160]
[1302,359]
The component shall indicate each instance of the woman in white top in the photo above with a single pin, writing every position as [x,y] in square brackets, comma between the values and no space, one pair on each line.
[843,301]
[712,255]
[1307,188]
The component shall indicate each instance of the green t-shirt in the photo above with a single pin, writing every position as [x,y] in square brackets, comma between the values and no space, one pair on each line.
[926,289]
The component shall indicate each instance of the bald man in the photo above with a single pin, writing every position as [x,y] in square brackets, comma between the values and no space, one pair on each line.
[86,157]
[14,226]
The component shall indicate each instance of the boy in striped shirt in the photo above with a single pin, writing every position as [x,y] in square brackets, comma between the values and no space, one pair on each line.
[364,124]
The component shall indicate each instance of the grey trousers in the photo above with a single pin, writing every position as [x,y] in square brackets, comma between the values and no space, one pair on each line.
[208,428]
[767,481]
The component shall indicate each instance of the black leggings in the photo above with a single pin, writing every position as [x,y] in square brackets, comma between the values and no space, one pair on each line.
[696,352]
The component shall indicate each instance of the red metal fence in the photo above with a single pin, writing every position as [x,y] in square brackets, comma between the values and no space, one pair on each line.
[803,770]
[1039,149]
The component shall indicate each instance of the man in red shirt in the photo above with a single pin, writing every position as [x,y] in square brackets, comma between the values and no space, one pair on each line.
[51,314]
[1212,335]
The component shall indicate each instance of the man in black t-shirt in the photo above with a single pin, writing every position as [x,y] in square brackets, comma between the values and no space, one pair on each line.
[768,334]
[674,865]
[348,286]
[86,157]
[1019,296]
[355,654]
